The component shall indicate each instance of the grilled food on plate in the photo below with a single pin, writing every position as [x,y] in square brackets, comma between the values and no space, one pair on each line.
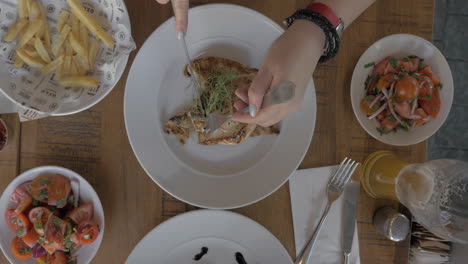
[218,79]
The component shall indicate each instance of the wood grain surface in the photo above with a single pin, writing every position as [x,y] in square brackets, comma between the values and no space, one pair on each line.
[94,143]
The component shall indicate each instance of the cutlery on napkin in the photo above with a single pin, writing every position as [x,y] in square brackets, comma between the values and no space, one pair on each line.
[308,199]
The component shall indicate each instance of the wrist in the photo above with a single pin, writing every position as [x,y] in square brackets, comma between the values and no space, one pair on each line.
[310,34]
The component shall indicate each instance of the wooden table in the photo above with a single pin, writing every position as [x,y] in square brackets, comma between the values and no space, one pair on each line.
[94,142]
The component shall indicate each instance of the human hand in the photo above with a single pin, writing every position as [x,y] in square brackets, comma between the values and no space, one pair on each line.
[181,14]
[293,56]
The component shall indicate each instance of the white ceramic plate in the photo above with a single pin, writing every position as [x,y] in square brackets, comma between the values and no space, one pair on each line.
[209,176]
[223,233]
[401,45]
[85,253]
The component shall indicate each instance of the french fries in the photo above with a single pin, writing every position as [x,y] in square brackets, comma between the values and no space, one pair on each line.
[52,66]
[31,61]
[42,50]
[62,19]
[32,29]
[79,82]
[46,33]
[93,53]
[61,39]
[18,62]
[22,9]
[34,11]
[84,35]
[71,56]
[90,23]
[12,33]
[77,47]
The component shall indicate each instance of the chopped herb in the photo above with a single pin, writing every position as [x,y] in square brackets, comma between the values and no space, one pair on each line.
[24,251]
[406,59]
[61,202]
[391,118]
[427,97]
[44,181]
[56,222]
[370,64]
[38,225]
[412,57]
[439,86]
[370,98]
[393,62]
[216,97]
[71,261]
[70,199]
[13,220]
[21,232]
[382,130]
[43,193]
[366,83]
[35,202]
[41,239]
[51,243]
[405,125]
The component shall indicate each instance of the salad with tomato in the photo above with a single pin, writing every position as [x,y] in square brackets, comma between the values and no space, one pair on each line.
[401,94]
[49,220]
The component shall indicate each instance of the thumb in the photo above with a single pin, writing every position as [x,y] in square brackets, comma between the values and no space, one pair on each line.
[257,90]
[181,14]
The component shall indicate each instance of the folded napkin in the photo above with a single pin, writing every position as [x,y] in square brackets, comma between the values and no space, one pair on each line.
[308,199]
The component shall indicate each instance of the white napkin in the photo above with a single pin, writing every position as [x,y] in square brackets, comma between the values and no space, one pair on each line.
[308,200]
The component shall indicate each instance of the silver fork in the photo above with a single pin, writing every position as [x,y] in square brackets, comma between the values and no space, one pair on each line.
[334,189]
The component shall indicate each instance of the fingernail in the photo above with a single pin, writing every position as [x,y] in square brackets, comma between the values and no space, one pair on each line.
[180,34]
[252,110]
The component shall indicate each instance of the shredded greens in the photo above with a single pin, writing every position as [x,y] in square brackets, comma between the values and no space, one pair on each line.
[217,97]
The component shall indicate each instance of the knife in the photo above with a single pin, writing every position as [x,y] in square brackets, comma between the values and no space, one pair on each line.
[351,196]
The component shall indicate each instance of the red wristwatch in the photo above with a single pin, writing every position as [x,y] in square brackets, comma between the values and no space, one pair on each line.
[325,11]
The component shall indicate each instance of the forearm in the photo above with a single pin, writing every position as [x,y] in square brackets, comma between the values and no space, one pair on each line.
[347,10]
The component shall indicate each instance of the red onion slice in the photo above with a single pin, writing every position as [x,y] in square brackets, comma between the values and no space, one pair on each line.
[376,99]
[75,186]
[414,106]
[415,117]
[378,111]
[38,251]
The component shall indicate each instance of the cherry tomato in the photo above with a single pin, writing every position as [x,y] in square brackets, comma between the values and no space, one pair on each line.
[420,112]
[379,69]
[22,198]
[406,89]
[84,212]
[58,191]
[55,232]
[17,223]
[425,89]
[389,125]
[403,109]
[385,81]
[19,249]
[87,232]
[57,258]
[38,217]
[39,187]
[431,106]
[405,65]
[429,73]
[31,237]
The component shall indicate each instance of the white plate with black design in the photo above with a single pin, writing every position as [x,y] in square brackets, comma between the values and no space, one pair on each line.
[209,236]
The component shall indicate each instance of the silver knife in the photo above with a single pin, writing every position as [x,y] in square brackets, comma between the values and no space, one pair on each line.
[351,196]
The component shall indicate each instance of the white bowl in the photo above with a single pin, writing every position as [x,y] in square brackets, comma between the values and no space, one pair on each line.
[86,252]
[401,45]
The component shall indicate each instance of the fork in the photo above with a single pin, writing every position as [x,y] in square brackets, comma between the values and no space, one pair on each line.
[334,189]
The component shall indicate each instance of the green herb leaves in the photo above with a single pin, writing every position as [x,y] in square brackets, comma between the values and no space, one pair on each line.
[370,64]
[217,97]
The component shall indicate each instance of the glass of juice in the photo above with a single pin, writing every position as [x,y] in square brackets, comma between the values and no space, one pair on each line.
[379,173]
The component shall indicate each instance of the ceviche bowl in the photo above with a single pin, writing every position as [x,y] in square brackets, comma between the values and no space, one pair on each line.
[395,115]
[84,253]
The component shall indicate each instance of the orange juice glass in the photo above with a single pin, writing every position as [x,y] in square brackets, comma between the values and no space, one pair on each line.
[379,173]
